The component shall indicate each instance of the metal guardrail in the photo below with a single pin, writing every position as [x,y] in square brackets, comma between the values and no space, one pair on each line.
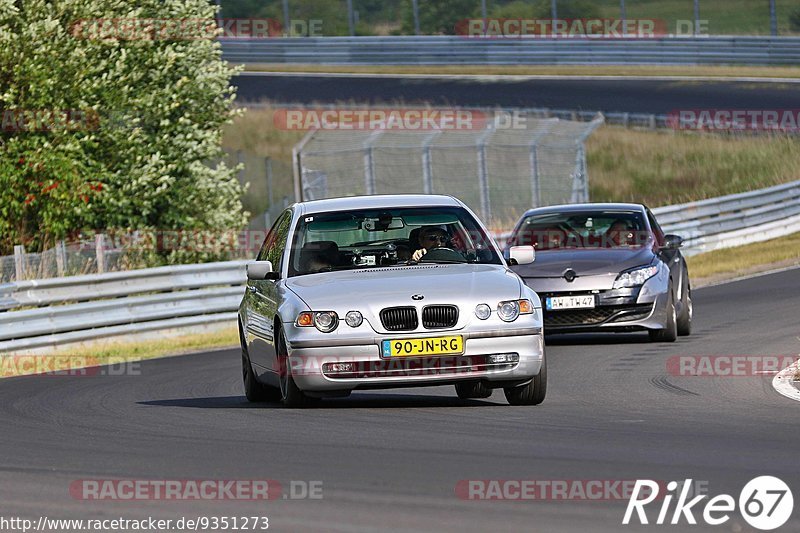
[735,219]
[453,50]
[104,305]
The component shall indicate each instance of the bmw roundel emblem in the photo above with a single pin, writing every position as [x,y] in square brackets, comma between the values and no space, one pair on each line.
[570,275]
[417,297]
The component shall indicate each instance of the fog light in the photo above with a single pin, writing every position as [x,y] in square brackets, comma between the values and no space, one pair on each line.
[353,319]
[504,358]
[483,311]
[340,367]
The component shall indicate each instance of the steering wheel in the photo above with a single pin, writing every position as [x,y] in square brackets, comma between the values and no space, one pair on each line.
[443,253]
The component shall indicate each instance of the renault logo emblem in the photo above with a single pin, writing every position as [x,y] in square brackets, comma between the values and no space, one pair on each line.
[570,275]
[417,297]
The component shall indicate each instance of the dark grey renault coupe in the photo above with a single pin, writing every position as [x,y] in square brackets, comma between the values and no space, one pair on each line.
[605,267]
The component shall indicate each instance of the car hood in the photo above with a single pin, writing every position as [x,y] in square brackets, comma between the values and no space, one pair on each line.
[585,261]
[376,288]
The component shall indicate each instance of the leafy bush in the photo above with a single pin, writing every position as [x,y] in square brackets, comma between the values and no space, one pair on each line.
[144,153]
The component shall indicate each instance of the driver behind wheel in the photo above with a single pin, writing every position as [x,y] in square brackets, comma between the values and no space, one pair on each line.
[431,237]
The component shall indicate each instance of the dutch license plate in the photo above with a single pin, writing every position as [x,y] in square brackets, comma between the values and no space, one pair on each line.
[452,345]
[554,303]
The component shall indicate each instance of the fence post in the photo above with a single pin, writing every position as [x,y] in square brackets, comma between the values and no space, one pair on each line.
[369,162]
[483,178]
[61,259]
[536,193]
[19,261]
[427,168]
[100,252]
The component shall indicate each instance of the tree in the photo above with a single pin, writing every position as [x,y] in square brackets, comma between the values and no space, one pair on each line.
[794,20]
[144,104]
[439,16]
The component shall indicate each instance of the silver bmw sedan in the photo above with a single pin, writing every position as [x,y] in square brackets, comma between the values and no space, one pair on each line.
[606,267]
[388,291]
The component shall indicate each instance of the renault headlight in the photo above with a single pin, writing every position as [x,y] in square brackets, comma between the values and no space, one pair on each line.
[635,277]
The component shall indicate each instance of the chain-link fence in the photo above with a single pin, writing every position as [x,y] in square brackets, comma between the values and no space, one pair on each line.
[498,171]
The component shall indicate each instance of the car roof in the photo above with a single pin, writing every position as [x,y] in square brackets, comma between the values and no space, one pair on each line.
[379,201]
[571,208]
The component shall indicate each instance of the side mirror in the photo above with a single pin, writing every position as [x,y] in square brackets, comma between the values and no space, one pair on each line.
[260,270]
[522,255]
[672,242]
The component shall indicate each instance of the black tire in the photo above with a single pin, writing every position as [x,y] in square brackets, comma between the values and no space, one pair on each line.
[531,394]
[290,393]
[474,389]
[685,316]
[254,390]
[670,332]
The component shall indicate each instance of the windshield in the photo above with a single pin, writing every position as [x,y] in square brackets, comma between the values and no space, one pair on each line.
[585,229]
[388,237]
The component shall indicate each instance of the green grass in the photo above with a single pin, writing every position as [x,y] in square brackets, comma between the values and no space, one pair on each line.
[726,17]
[663,168]
[741,260]
[654,167]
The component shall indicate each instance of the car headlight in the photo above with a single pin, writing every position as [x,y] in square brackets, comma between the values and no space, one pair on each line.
[635,277]
[510,310]
[483,311]
[325,321]
[353,319]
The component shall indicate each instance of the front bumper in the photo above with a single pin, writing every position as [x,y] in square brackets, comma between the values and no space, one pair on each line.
[314,362]
[631,309]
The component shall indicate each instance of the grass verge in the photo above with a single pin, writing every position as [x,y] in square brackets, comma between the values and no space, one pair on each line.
[115,352]
[730,263]
[710,71]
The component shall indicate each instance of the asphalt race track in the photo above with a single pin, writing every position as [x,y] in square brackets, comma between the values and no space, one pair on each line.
[390,460]
[616,95]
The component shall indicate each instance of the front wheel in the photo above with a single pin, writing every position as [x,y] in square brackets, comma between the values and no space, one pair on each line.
[670,331]
[531,394]
[685,316]
[254,390]
[291,395]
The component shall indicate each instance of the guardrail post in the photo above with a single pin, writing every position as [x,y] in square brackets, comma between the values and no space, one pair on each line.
[61,259]
[19,261]
[100,252]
